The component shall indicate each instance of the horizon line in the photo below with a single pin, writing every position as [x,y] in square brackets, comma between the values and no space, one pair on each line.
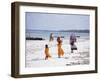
[57,30]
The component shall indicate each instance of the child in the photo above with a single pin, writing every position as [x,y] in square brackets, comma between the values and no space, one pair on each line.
[47,55]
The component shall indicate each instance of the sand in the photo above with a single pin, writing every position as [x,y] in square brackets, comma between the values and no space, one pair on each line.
[35,56]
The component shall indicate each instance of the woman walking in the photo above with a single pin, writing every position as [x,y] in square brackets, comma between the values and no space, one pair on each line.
[51,37]
[60,50]
[72,42]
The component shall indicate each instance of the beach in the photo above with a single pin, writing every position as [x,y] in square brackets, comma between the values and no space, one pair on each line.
[35,56]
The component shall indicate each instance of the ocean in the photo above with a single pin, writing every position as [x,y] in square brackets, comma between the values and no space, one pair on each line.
[45,34]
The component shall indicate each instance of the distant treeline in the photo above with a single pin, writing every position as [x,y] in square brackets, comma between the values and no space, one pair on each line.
[34,38]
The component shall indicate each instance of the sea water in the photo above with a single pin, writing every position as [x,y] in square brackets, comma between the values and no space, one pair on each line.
[45,34]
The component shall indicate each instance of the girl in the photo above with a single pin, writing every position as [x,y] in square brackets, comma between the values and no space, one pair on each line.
[47,55]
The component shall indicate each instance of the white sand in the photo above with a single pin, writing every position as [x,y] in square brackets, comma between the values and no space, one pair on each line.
[35,53]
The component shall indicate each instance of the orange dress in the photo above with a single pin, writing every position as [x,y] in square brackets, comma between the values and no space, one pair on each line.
[47,53]
[60,50]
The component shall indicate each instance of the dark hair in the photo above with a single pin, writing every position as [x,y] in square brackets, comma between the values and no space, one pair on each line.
[46,46]
[58,39]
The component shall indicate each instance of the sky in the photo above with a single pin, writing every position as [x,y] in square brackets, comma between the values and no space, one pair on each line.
[49,21]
